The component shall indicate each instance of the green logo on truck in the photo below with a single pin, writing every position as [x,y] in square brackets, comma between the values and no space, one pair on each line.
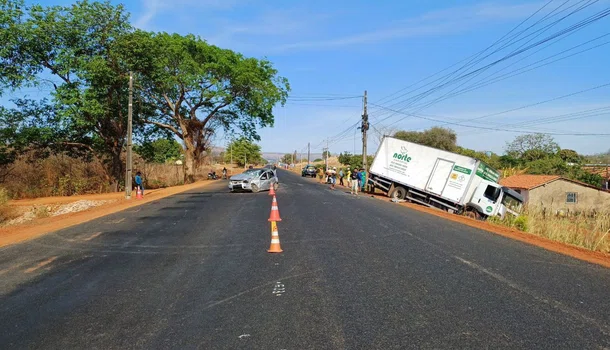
[487,173]
[404,157]
[489,209]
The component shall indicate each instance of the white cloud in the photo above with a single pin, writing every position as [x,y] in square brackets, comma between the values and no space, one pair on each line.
[446,21]
[153,8]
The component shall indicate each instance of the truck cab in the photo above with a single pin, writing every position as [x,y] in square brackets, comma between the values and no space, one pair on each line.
[491,199]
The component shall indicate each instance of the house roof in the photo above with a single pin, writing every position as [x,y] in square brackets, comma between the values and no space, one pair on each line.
[603,171]
[527,182]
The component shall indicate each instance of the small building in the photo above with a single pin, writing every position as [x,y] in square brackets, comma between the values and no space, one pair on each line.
[558,193]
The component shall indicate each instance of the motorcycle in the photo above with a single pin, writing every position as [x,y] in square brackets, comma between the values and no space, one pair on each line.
[212,176]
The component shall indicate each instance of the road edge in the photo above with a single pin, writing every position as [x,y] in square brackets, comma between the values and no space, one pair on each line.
[16,234]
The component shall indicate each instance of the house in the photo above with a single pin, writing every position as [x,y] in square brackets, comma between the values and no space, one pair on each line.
[602,170]
[558,193]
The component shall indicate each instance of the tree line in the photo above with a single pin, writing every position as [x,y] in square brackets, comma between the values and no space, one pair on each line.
[82,54]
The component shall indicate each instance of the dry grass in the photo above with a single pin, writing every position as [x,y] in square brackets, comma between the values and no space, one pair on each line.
[587,229]
[57,175]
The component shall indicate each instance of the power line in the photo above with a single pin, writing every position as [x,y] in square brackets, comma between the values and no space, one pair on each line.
[560,33]
[498,129]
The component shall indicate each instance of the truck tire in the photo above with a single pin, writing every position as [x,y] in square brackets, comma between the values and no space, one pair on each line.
[398,193]
[473,214]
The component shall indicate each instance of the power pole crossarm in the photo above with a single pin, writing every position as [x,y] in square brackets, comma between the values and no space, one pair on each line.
[128,166]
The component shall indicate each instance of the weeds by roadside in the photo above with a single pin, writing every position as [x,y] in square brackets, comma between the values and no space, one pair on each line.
[587,229]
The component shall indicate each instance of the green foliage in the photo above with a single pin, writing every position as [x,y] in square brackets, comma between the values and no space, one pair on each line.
[326,154]
[318,160]
[437,137]
[196,88]
[243,151]
[287,158]
[159,151]
[531,147]
[353,161]
[79,47]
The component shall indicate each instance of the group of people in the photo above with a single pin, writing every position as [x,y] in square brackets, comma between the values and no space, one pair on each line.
[355,178]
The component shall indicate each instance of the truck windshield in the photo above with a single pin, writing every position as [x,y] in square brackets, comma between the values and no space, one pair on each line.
[512,203]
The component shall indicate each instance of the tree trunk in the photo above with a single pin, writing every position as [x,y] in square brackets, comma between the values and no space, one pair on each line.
[189,164]
[117,170]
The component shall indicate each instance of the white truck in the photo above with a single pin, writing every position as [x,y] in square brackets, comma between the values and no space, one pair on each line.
[442,179]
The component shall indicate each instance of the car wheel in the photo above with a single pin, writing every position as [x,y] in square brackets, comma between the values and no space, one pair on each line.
[254,188]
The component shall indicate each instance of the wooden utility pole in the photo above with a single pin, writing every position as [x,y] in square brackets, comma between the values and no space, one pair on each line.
[128,166]
[308,152]
[364,127]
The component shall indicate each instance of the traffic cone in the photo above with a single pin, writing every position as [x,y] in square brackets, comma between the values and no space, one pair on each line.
[139,194]
[275,212]
[272,191]
[275,240]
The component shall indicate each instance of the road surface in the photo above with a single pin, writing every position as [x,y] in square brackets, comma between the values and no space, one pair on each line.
[192,272]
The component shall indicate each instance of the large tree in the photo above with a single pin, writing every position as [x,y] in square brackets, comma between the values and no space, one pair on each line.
[531,147]
[76,51]
[243,151]
[197,88]
[437,137]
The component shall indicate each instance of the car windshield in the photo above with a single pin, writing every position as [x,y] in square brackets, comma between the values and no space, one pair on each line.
[512,203]
[253,172]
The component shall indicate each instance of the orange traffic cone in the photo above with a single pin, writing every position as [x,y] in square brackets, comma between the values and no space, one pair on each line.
[139,194]
[275,240]
[272,191]
[275,212]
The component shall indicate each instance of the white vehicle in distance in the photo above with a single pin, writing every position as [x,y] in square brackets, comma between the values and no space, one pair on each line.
[253,180]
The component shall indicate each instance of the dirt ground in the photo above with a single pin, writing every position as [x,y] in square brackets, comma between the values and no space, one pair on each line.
[115,202]
[558,247]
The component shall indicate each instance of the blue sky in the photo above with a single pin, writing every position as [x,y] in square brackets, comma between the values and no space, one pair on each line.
[341,48]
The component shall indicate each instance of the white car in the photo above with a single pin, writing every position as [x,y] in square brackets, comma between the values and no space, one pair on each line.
[253,180]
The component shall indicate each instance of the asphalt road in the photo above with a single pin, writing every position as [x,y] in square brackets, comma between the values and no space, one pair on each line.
[192,271]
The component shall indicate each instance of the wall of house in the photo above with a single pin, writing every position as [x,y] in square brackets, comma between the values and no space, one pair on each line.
[553,196]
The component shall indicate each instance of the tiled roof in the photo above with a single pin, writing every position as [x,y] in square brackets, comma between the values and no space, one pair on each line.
[599,170]
[527,182]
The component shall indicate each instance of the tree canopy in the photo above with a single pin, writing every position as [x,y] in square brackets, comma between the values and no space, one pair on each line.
[243,151]
[196,88]
[83,54]
[437,137]
[160,150]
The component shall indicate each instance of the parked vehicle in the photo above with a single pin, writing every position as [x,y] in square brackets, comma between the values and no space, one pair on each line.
[253,180]
[212,176]
[309,170]
[437,178]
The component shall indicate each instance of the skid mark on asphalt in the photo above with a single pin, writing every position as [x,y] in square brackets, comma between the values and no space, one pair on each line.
[41,264]
[118,221]
[255,289]
[548,301]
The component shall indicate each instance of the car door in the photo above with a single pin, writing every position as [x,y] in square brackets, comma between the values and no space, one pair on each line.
[265,181]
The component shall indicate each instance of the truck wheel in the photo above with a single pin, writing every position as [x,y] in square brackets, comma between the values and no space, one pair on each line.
[398,193]
[472,214]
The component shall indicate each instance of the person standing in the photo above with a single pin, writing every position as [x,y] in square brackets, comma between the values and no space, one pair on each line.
[354,181]
[349,176]
[341,175]
[363,179]
[224,173]
[139,182]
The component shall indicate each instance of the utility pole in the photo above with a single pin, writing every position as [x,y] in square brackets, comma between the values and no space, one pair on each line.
[308,152]
[325,153]
[365,127]
[128,166]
